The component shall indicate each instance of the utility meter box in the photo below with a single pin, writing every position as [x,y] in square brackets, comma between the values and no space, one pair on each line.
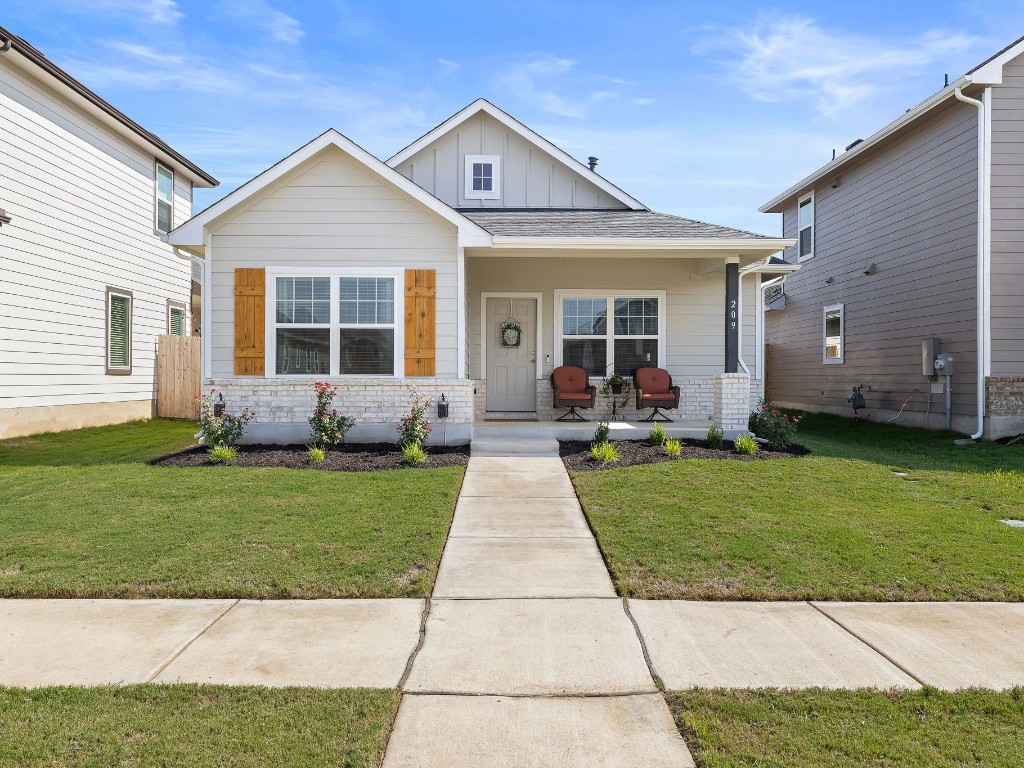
[943,364]
[929,351]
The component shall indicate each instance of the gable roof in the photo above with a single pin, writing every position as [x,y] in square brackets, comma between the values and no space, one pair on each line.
[527,134]
[989,72]
[10,42]
[191,233]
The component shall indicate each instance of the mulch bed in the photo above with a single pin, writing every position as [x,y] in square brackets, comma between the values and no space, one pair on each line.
[355,457]
[576,453]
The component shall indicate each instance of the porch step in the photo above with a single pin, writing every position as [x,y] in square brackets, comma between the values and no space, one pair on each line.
[514,446]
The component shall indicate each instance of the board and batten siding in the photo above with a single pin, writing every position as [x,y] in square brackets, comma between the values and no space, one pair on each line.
[82,198]
[332,213]
[911,210]
[1008,222]
[530,177]
[695,336]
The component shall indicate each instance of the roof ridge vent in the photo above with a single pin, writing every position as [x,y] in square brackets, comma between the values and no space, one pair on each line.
[853,144]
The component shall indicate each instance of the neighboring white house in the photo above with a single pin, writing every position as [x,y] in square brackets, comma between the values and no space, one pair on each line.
[310,265]
[86,282]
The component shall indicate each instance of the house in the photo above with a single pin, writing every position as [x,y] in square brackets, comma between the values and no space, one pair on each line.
[86,283]
[380,275]
[911,248]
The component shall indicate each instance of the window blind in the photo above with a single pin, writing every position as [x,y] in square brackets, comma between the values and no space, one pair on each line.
[177,321]
[120,334]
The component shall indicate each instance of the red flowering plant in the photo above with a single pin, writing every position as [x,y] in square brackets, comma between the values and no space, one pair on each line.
[773,425]
[414,428]
[327,426]
[224,430]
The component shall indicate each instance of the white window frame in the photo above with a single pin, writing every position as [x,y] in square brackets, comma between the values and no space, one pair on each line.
[270,344]
[180,307]
[494,193]
[157,199]
[610,296]
[841,308]
[812,226]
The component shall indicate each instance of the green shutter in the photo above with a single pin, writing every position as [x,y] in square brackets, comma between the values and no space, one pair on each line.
[119,343]
[177,321]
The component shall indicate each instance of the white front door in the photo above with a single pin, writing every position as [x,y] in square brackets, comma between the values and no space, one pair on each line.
[511,371]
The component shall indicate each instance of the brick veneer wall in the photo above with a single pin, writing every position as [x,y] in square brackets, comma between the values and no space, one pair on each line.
[731,400]
[1004,396]
[368,401]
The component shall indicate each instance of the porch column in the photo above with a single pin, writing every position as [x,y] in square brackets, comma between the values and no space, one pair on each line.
[732,315]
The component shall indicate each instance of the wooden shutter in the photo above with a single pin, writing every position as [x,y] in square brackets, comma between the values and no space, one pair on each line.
[420,314]
[250,321]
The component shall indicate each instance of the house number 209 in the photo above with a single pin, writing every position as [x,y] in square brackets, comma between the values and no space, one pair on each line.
[732,314]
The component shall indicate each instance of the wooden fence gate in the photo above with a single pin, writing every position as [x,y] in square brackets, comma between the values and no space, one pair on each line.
[177,376]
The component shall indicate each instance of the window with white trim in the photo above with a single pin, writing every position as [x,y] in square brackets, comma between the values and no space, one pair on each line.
[164,199]
[805,227]
[119,331]
[335,325]
[175,318]
[483,177]
[606,333]
[833,328]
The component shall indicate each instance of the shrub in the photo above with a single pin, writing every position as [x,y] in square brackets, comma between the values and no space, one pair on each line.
[673,448]
[602,432]
[317,454]
[223,454]
[414,428]
[657,435]
[226,429]
[715,438]
[605,452]
[414,454]
[746,444]
[327,427]
[772,425]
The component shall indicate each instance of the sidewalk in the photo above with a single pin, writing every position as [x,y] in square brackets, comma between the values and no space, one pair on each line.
[524,655]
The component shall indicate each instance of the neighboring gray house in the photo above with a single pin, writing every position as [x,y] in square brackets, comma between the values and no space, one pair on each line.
[86,282]
[913,234]
[309,266]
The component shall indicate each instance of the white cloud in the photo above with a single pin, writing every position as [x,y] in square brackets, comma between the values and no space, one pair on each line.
[448,67]
[259,14]
[164,12]
[531,81]
[793,58]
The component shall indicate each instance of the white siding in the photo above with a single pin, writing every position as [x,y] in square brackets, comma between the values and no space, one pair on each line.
[530,177]
[332,213]
[82,201]
[695,312]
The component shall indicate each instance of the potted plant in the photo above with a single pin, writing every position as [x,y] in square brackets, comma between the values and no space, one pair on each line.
[617,388]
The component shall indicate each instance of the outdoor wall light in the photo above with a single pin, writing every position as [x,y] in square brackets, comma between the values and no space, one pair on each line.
[4,218]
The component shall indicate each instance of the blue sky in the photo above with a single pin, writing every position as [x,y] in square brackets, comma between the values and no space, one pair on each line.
[700,109]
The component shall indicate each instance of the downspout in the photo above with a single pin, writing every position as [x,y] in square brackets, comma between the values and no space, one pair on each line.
[984,249]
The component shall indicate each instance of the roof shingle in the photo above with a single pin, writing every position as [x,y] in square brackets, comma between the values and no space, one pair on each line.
[547,222]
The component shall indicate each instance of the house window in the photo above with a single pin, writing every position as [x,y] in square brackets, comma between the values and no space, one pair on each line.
[164,199]
[609,333]
[119,332]
[483,177]
[805,227]
[833,327]
[175,318]
[335,325]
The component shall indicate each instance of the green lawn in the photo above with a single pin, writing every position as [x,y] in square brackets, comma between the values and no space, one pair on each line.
[851,729]
[186,726]
[83,515]
[839,524]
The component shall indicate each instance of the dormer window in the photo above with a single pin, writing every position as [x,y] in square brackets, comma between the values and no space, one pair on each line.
[483,177]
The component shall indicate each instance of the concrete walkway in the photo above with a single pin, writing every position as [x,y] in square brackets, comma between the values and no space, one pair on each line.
[524,656]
